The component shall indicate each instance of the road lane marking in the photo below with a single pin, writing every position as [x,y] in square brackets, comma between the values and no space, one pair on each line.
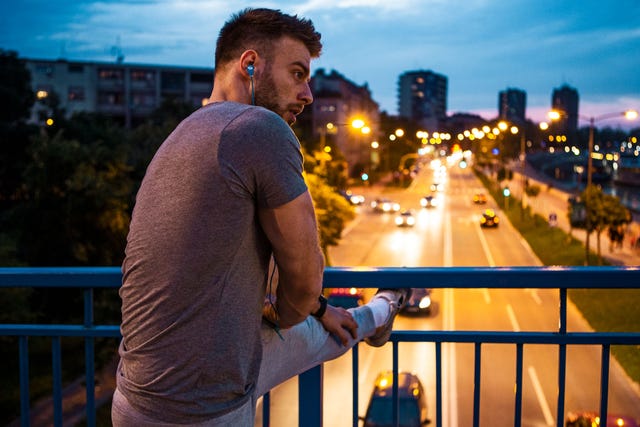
[512,318]
[486,295]
[485,246]
[540,395]
[534,294]
[350,226]
[448,242]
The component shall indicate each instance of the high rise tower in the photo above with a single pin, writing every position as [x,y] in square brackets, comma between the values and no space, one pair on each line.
[422,96]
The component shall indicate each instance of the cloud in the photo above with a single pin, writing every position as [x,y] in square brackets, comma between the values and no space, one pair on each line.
[482,46]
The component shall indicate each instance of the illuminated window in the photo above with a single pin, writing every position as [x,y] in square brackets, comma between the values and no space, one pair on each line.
[76,93]
[110,74]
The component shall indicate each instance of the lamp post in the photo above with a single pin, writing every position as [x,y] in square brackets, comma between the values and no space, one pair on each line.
[629,115]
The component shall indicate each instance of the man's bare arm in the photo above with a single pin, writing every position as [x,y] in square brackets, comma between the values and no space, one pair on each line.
[293,233]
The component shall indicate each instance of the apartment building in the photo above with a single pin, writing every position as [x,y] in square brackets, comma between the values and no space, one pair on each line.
[127,92]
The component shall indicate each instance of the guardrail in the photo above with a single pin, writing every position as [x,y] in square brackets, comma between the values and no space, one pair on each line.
[310,383]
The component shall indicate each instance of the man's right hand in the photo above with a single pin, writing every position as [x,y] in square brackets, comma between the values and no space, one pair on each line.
[339,323]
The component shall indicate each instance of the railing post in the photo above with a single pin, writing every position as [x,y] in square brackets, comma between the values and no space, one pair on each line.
[355,372]
[439,383]
[518,409]
[604,382]
[24,382]
[266,409]
[395,393]
[477,383]
[562,358]
[310,397]
[56,356]
[89,357]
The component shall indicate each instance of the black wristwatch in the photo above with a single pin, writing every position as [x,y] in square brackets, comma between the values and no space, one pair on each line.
[323,307]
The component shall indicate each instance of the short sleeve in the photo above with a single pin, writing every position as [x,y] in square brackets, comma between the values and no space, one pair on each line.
[260,158]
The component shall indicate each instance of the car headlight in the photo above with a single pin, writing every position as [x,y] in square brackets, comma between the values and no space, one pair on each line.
[411,220]
[398,220]
[425,302]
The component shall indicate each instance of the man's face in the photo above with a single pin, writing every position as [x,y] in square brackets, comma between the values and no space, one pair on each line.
[283,86]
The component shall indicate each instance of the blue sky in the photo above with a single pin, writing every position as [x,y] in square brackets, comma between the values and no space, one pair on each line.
[482,46]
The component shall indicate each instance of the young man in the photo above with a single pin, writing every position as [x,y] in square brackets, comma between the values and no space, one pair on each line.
[223,196]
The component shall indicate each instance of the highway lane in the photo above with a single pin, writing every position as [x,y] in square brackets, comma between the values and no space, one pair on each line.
[450,235]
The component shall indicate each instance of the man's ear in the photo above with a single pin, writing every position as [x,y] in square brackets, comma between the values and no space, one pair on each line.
[248,63]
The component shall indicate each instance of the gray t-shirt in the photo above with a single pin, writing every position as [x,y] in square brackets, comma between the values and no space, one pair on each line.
[196,263]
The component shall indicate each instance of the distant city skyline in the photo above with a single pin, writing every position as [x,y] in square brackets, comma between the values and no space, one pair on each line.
[481,46]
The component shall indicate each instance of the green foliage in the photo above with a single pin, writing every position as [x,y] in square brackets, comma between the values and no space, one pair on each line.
[76,203]
[532,190]
[332,212]
[505,174]
[15,89]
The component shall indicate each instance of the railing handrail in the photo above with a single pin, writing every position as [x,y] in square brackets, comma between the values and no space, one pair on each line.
[563,278]
[555,277]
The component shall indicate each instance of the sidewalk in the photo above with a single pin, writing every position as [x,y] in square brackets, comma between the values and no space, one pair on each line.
[554,199]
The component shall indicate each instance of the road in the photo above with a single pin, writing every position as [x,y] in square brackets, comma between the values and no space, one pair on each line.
[450,235]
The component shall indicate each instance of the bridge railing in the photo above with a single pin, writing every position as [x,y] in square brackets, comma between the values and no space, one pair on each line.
[310,383]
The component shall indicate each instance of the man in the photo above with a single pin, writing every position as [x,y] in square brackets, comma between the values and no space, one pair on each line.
[223,196]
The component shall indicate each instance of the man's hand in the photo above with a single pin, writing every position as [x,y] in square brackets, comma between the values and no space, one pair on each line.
[339,323]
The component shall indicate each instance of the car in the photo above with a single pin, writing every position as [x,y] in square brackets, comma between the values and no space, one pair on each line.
[412,407]
[354,199]
[479,198]
[385,205]
[345,297]
[591,419]
[405,219]
[489,219]
[429,201]
[419,302]
[436,186]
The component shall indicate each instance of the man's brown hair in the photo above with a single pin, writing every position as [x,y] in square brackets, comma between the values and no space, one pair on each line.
[258,29]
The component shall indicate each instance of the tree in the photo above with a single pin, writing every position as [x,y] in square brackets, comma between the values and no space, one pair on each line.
[602,211]
[532,191]
[17,100]
[332,212]
[15,89]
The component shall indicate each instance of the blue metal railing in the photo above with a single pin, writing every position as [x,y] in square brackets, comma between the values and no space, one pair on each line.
[310,383]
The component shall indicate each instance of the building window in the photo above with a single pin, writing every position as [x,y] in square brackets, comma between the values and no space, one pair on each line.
[75,68]
[76,93]
[173,81]
[202,78]
[46,69]
[109,74]
[110,98]
[43,91]
[143,76]
[143,100]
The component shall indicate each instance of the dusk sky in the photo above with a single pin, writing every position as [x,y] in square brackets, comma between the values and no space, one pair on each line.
[482,46]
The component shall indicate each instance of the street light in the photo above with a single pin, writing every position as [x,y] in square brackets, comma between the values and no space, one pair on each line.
[629,115]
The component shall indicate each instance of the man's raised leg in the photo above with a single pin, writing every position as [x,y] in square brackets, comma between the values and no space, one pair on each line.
[290,352]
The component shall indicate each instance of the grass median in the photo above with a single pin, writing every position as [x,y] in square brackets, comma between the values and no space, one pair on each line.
[605,311]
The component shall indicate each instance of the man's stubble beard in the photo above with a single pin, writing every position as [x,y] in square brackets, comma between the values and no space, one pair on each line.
[267,94]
